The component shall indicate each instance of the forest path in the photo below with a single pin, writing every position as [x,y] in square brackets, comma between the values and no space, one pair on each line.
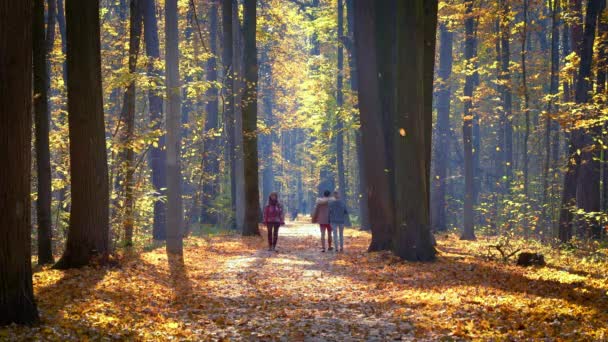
[231,288]
[300,293]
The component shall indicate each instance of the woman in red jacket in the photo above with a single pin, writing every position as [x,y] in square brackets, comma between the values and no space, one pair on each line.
[274,217]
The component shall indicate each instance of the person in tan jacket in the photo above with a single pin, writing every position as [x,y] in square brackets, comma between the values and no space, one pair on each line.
[321,216]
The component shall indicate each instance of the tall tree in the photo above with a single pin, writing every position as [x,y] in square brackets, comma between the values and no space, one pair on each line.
[211,143]
[506,93]
[17,303]
[354,86]
[340,103]
[249,104]
[588,189]
[229,100]
[88,235]
[266,140]
[526,109]
[158,154]
[416,29]
[174,194]
[128,115]
[467,126]
[551,107]
[443,127]
[41,51]
[381,214]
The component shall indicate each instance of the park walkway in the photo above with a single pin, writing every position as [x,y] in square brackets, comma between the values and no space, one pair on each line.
[230,288]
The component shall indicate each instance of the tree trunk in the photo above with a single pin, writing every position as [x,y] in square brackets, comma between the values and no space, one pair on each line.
[506,94]
[17,304]
[588,181]
[250,117]
[128,114]
[524,77]
[266,138]
[443,128]
[467,129]
[88,236]
[378,192]
[354,86]
[174,193]
[41,52]
[340,103]
[158,154]
[551,110]
[602,69]
[417,19]
[238,122]
[211,154]
[227,61]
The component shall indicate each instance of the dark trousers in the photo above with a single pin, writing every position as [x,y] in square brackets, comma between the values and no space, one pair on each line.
[273,233]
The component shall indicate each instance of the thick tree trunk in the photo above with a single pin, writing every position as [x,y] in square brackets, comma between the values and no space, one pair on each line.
[378,191]
[467,129]
[128,114]
[250,117]
[443,128]
[17,303]
[386,52]
[88,235]
[158,154]
[418,18]
[227,61]
[42,122]
[588,181]
[174,193]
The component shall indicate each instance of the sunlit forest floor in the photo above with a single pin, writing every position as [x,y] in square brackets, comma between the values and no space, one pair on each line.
[232,288]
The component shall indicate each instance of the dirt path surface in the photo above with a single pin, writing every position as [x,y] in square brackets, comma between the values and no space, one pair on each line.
[230,288]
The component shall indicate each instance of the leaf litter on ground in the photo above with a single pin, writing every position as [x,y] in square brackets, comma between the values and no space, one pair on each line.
[231,288]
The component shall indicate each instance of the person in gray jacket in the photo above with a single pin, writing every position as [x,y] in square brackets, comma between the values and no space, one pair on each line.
[338,218]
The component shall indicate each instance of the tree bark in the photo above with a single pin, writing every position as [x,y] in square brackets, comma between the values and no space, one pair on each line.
[41,53]
[340,103]
[588,189]
[158,154]
[380,203]
[506,94]
[17,304]
[443,128]
[551,110]
[174,193]
[467,129]
[354,86]
[227,61]
[524,77]
[250,136]
[88,235]
[211,154]
[412,132]
[128,114]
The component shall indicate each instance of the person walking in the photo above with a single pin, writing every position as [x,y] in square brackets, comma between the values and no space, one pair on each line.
[274,217]
[321,216]
[338,218]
